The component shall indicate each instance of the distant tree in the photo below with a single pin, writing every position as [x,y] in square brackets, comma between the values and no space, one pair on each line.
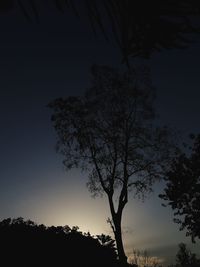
[182,191]
[139,27]
[185,258]
[109,133]
[141,258]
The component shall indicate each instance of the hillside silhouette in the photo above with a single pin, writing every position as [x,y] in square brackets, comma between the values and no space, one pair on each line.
[24,243]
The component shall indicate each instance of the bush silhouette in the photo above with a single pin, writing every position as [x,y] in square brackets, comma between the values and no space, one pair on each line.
[24,243]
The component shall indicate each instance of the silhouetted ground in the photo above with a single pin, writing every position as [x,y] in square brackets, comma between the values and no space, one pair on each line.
[24,244]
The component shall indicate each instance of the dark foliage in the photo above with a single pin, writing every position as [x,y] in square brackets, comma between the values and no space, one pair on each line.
[183,189]
[138,27]
[185,258]
[24,243]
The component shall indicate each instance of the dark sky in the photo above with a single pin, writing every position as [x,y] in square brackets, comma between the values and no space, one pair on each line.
[40,62]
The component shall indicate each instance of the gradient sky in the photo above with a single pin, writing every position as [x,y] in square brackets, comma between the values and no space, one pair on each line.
[40,62]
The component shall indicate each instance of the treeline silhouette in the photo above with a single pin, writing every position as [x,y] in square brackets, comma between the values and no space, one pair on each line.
[27,244]
[24,243]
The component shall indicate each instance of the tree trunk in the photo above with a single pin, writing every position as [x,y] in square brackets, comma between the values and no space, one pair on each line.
[116,227]
[118,237]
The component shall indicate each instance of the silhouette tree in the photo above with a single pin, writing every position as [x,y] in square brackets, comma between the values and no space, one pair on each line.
[107,241]
[24,243]
[109,133]
[183,189]
[138,27]
[185,258]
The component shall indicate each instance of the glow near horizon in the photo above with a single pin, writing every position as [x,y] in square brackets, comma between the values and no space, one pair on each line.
[57,197]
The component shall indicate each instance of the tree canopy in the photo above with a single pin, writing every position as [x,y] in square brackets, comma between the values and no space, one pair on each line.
[182,192]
